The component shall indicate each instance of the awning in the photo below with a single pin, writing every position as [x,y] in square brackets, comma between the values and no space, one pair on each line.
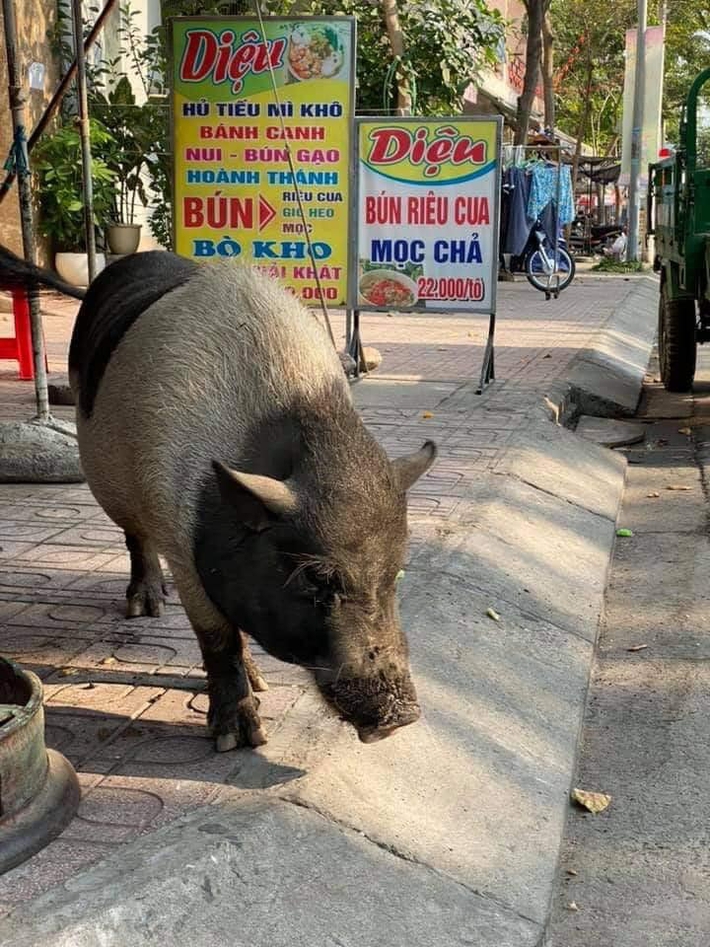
[600,170]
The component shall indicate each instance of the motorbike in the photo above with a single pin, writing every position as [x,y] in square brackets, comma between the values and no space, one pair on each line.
[595,240]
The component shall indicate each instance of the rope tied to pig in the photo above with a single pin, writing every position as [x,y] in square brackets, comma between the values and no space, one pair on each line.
[296,186]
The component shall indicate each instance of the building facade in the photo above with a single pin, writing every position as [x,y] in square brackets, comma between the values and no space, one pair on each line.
[35,21]
[498,90]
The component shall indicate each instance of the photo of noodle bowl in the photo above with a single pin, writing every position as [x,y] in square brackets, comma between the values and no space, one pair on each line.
[314,52]
[387,288]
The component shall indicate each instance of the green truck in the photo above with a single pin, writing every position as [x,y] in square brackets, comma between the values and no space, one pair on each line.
[679,217]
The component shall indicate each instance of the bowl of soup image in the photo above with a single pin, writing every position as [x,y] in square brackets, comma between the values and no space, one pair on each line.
[313,54]
[388,288]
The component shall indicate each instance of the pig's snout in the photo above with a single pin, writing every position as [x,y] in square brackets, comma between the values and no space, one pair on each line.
[369,734]
[375,706]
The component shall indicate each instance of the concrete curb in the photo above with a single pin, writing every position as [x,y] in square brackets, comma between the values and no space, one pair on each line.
[606,379]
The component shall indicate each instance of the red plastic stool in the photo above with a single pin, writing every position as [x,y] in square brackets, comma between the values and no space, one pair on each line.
[19,346]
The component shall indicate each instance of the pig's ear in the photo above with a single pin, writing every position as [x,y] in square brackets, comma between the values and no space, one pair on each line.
[257,499]
[409,469]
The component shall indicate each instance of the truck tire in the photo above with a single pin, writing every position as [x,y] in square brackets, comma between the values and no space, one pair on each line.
[677,346]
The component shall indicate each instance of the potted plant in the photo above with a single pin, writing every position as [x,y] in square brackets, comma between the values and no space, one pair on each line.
[56,163]
[126,158]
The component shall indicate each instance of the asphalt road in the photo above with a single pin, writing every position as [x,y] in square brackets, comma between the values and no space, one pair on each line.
[638,874]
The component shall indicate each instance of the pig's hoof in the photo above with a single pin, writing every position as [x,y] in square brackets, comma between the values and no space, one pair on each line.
[245,729]
[142,598]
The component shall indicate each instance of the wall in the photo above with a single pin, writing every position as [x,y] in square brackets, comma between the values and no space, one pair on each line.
[34,19]
[499,88]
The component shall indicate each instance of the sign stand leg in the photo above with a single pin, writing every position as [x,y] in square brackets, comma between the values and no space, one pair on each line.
[355,345]
[488,373]
[348,328]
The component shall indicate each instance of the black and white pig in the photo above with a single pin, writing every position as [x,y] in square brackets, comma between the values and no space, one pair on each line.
[216,428]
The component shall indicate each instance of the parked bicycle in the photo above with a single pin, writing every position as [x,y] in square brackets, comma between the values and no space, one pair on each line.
[548,269]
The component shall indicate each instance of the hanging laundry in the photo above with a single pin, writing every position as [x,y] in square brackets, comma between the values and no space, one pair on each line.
[515,225]
[548,182]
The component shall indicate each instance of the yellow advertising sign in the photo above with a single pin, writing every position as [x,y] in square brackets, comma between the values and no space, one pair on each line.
[236,194]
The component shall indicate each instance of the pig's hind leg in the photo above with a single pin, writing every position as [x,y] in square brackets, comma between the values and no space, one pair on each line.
[146,592]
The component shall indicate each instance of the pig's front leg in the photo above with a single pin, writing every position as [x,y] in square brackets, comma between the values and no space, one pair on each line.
[233,713]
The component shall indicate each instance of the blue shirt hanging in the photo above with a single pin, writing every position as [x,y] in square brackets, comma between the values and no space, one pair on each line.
[544,190]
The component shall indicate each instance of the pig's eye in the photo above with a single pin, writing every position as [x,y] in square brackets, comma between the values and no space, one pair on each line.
[323,590]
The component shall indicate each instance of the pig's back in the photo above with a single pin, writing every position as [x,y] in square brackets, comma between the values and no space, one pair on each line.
[189,381]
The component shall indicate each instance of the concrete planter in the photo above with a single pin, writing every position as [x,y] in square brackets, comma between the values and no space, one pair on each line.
[123,238]
[39,791]
[74,267]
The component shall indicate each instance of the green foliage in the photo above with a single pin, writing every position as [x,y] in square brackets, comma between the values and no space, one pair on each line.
[445,46]
[130,142]
[687,54]
[56,162]
[610,265]
[590,37]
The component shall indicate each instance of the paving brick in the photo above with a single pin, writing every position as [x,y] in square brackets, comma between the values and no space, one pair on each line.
[61,859]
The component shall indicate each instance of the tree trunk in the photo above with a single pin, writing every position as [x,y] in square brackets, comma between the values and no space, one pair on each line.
[583,123]
[548,40]
[536,12]
[396,38]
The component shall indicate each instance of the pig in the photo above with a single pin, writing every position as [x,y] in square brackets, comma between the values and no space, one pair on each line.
[216,428]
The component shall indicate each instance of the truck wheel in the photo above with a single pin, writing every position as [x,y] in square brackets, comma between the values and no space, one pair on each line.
[676,341]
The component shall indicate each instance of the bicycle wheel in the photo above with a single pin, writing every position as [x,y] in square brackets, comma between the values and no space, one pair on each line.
[538,271]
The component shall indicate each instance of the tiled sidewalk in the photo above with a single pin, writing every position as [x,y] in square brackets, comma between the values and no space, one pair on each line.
[124,699]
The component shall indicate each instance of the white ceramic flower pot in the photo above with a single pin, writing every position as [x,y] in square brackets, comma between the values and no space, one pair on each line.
[123,238]
[74,267]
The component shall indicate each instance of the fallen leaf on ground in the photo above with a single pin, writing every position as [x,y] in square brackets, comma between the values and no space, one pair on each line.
[67,672]
[654,493]
[427,414]
[684,430]
[624,532]
[571,871]
[572,906]
[677,486]
[549,355]
[637,647]
[593,801]
[492,613]
[109,660]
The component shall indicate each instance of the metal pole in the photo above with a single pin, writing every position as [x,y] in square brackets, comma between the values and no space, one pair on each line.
[84,133]
[17,107]
[632,250]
